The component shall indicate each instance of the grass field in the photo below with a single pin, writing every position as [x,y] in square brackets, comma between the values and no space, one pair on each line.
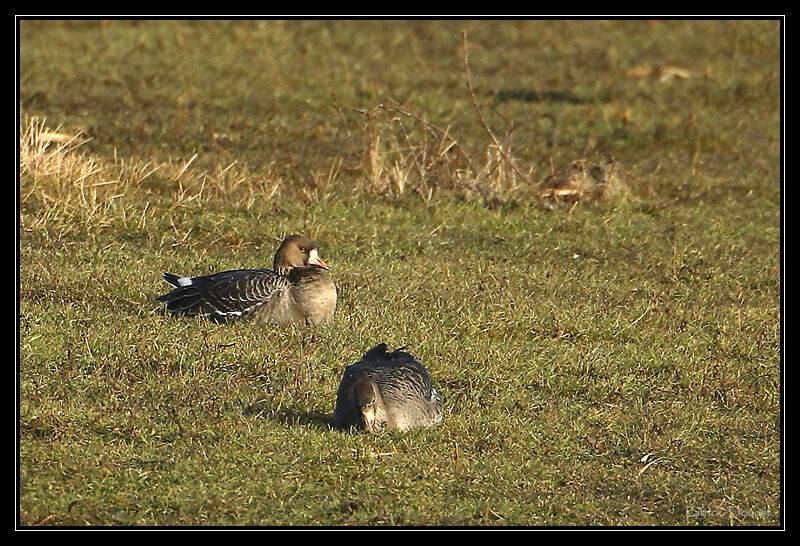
[574,225]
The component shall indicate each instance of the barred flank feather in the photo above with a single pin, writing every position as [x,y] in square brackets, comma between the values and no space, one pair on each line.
[230,294]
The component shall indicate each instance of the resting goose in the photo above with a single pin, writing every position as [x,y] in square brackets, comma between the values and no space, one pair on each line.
[295,291]
[386,390]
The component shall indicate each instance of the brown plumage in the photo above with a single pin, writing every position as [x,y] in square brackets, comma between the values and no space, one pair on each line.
[387,390]
[295,291]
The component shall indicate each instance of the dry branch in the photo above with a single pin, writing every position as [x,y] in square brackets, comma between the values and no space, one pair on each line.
[505,153]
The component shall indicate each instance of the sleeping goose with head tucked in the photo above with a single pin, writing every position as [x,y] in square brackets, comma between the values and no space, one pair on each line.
[295,291]
[386,390]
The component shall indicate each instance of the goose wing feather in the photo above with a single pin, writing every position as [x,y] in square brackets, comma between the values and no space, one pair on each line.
[227,294]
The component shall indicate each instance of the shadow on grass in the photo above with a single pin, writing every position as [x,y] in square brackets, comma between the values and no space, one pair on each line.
[532,95]
[290,417]
[164,312]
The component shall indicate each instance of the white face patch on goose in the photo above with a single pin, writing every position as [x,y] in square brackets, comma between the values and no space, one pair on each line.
[313,258]
[184,281]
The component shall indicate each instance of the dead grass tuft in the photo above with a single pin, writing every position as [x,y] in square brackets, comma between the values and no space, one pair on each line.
[401,151]
[60,183]
[46,153]
[57,178]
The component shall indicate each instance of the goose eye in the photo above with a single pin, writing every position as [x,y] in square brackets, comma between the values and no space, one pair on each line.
[302,249]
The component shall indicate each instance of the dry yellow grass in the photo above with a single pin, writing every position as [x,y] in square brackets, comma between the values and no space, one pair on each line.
[60,183]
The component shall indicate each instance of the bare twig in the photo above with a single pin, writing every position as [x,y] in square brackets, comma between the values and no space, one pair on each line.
[429,125]
[503,151]
[420,169]
[346,128]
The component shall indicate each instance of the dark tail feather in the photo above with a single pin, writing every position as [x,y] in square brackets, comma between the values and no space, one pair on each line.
[170,278]
[184,301]
[378,352]
[174,299]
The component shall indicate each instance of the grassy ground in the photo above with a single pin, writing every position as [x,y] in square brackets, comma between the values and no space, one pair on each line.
[606,358]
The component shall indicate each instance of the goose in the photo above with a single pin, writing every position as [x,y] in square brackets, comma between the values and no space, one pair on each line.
[295,291]
[386,390]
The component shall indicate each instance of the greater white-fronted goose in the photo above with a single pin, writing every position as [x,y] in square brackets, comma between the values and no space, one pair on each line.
[295,291]
[386,390]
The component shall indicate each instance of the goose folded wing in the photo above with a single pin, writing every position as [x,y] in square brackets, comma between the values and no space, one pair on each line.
[241,292]
[227,294]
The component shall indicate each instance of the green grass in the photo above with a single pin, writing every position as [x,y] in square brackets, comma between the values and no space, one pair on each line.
[574,343]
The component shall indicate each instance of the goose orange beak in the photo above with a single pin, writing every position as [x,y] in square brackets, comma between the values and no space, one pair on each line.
[314,259]
[369,420]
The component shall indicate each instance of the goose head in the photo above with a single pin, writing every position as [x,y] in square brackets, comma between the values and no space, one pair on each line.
[297,251]
[369,403]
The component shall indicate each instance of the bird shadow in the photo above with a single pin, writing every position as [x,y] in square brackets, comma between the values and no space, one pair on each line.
[164,312]
[288,416]
[533,95]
